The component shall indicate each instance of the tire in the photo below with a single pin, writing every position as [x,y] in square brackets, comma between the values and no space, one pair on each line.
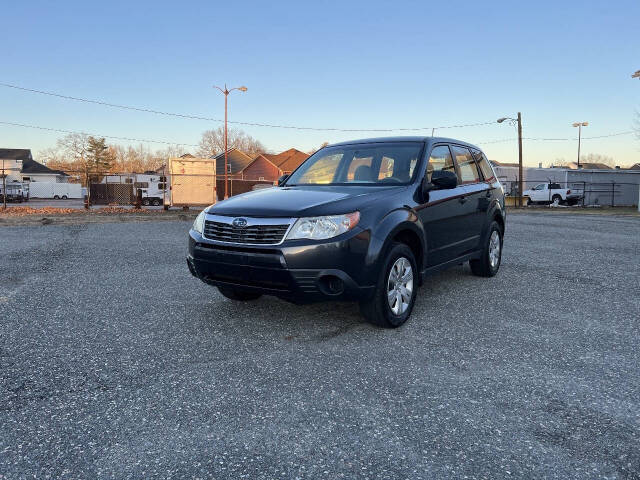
[556,199]
[527,201]
[56,197]
[485,266]
[145,202]
[156,202]
[64,197]
[238,295]
[391,313]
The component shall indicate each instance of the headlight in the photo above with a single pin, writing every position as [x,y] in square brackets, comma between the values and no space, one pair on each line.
[198,225]
[320,228]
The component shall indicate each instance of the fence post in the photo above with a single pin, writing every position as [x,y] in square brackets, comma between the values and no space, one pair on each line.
[613,193]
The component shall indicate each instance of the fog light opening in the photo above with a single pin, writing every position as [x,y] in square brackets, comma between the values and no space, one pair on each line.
[331,285]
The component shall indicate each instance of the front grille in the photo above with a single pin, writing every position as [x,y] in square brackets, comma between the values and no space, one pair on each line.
[252,234]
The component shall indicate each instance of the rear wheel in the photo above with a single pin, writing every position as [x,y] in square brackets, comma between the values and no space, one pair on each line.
[238,295]
[145,202]
[491,255]
[395,291]
[156,202]
[64,197]
[556,200]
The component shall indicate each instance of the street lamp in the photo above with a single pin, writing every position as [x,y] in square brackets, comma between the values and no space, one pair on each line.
[226,93]
[517,121]
[580,125]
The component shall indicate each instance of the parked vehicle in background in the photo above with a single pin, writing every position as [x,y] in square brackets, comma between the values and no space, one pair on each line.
[552,193]
[193,182]
[153,188]
[54,190]
[365,220]
[16,192]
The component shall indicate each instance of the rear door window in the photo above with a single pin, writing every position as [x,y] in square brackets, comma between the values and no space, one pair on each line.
[466,165]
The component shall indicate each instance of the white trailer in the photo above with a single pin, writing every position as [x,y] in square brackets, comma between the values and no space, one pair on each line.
[55,190]
[193,182]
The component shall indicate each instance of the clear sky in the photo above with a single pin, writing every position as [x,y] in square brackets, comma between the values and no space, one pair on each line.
[328,64]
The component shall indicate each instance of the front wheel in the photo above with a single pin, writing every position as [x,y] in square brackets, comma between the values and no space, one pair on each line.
[395,291]
[491,254]
[238,295]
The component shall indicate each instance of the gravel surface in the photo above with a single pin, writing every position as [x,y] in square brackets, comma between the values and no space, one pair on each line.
[116,363]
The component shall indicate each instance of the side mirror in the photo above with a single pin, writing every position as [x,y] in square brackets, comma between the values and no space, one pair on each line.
[444,179]
[282,179]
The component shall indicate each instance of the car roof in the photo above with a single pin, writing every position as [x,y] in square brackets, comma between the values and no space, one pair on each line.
[430,140]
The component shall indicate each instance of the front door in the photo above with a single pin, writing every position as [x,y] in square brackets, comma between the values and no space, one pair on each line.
[443,212]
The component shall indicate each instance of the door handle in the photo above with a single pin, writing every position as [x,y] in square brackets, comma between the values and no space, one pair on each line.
[462,199]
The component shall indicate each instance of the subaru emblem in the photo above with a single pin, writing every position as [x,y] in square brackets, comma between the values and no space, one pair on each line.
[239,222]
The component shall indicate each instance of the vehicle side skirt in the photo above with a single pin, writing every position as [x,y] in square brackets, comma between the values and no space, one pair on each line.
[451,263]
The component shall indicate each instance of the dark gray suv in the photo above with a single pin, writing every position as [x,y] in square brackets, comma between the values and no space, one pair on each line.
[364,220]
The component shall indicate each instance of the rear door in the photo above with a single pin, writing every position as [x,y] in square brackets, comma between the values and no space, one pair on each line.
[442,212]
[475,201]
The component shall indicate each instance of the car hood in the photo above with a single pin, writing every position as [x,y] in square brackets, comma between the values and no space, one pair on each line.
[302,201]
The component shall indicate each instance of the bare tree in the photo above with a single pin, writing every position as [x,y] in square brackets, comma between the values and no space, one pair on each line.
[212,142]
[314,150]
[598,158]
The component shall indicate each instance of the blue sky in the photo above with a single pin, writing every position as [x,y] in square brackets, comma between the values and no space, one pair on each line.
[328,64]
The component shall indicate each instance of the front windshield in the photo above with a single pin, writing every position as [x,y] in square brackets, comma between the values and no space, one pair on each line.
[363,164]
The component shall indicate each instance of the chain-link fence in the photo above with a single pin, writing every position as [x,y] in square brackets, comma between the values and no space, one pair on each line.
[572,193]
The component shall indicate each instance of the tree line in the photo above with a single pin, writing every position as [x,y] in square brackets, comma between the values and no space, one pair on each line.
[82,155]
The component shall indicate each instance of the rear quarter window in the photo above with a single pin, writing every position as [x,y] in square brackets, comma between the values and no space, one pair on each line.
[483,164]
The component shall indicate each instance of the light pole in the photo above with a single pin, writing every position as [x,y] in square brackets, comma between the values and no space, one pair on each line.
[517,121]
[580,125]
[226,93]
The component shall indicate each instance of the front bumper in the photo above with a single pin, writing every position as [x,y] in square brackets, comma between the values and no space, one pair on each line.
[294,271]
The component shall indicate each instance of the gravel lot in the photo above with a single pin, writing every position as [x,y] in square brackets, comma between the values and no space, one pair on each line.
[116,363]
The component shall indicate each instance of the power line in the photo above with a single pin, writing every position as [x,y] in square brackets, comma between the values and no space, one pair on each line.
[629,132]
[96,134]
[164,142]
[251,124]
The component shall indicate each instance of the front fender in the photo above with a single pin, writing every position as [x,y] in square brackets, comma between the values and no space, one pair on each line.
[388,227]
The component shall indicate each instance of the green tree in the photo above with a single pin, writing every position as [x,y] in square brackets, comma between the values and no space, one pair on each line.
[99,157]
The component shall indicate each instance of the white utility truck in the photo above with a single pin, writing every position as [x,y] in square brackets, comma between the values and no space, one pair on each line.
[552,193]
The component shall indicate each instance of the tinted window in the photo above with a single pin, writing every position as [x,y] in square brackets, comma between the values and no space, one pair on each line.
[555,186]
[440,159]
[483,163]
[466,165]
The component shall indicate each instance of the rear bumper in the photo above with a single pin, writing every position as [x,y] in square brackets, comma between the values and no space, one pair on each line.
[297,272]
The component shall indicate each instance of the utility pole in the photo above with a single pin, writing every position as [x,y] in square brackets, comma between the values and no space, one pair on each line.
[520,160]
[226,93]
[580,125]
[517,121]
[4,187]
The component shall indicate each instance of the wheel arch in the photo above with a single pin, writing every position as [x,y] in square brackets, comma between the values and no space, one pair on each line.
[403,226]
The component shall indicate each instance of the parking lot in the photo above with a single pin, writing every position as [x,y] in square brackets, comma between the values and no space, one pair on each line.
[116,363]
